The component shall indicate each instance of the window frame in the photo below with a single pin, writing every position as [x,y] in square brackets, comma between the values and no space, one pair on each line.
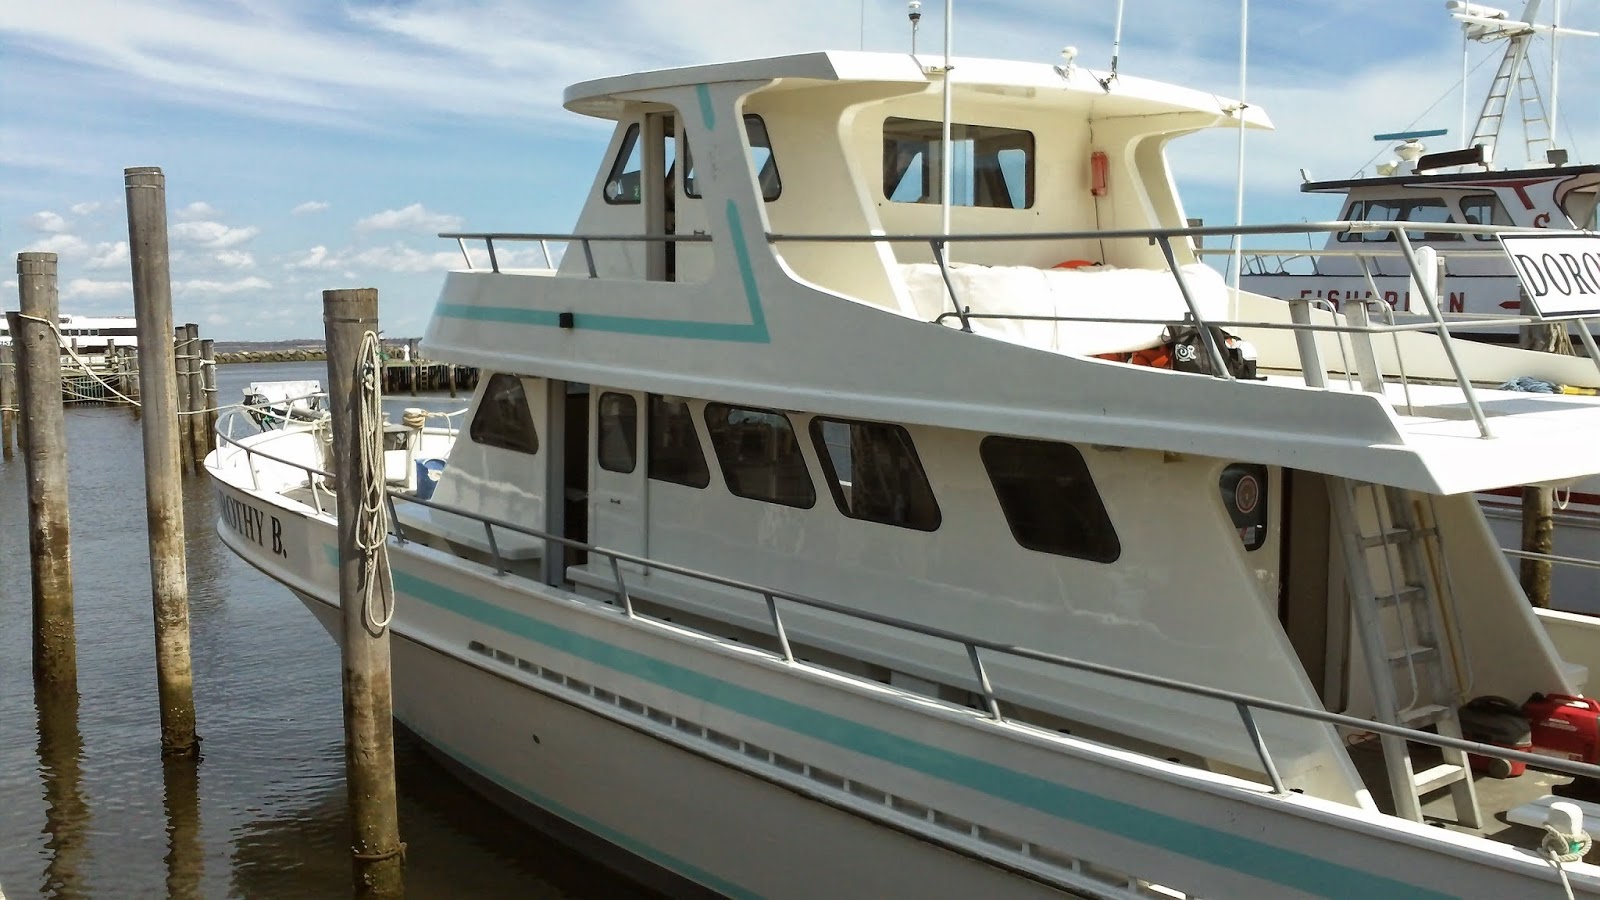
[728,477]
[1074,456]
[752,121]
[632,434]
[961,133]
[630,141]
[831,475]
[476,431]
[650,471]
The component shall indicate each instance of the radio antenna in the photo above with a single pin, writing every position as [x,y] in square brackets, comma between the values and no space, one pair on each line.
[1116,49]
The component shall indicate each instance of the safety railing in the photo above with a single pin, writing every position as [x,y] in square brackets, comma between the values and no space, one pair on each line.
[1245,705]
[586,241]
[1311,366]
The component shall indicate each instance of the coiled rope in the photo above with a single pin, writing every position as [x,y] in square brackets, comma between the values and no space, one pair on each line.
[372,521]
[1560,847]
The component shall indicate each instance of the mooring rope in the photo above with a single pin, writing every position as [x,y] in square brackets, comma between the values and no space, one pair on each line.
[66,345]
[372,522]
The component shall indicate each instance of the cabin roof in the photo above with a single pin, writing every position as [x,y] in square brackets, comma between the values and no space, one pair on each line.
[1126,95]
[1447,179]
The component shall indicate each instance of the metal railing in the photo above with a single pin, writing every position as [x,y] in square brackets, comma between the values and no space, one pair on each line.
[1436,321]
[1245,705]
[586,241]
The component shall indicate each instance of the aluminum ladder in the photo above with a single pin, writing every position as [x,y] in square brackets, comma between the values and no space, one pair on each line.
[1507,77]
[1400,619]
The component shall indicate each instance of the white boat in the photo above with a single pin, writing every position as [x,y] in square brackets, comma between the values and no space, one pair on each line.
[89,335]
[762,568]
[276,404]
[1470,187]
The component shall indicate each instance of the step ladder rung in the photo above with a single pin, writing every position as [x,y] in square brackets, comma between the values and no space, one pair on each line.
[1422,715]
[1440,776]
[1412,652]
[1411,594]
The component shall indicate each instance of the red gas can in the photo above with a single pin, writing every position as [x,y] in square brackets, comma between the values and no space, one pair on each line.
[1565,726]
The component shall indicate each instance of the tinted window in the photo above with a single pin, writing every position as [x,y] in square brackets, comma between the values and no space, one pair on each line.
[874,473]
[503,418]
[623,184]
[617,432]
[1244,495]
[759,455]
[762,161]
[1422,209]
[675,453]
[1049,500]
[989,166]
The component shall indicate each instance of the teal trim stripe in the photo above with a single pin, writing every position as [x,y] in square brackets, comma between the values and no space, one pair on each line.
[626,842]
[1319,877]
[708,114]
[752,332]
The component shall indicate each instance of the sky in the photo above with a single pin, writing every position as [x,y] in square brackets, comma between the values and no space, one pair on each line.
[313,144]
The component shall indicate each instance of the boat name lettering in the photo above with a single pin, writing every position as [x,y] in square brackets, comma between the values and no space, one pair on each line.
[1401,300]
[1560,272]
[251,523]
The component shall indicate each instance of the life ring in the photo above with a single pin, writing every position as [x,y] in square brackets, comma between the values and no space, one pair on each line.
[1074,264]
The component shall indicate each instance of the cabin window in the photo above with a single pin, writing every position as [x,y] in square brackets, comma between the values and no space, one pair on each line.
[1484,209]
[1244,495]
[1049,500]
[627,171]
[874,473]
[675,452]
[1580,208]
[989,166]
[762,161]
[1421,209]
[760,455]
[617,432]
[503,419]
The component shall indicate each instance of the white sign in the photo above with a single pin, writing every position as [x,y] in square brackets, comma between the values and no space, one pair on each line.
[1559,270]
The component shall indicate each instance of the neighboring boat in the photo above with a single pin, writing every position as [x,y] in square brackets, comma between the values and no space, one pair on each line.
[762,568]
[276,404]
[89,335]
[1468,186]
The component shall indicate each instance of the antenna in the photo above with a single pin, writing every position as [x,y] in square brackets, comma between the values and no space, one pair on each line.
[944,150]
[1238,206]
[914,13]
[1116,50]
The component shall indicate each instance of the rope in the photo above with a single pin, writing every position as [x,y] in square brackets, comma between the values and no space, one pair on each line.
[372,522]
[88,370]
[1560,847]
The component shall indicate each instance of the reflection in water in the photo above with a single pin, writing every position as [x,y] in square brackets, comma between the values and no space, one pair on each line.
[180,779]
[66,815]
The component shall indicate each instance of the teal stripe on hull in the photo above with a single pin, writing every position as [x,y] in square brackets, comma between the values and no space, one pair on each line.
[1318,877]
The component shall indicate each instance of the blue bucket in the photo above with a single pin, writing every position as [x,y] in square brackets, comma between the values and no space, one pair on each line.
[428,472]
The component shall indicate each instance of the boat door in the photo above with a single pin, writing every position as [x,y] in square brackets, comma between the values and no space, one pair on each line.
[617,505]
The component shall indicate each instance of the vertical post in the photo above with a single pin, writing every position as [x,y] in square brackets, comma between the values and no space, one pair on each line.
[1538,508]
[450,375]
[180,375]
[8,401]
[38,347]
[348,315]
[208,359]
[416,364]
[146,189]
[198,435]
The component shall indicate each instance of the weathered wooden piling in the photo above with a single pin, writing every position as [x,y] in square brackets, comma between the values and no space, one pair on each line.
[1538,510]
[208,360]
[199,437]
[8,402]
[146,190]
[180,374]
[180,782]
[416,364]
[44,452]
[348,315]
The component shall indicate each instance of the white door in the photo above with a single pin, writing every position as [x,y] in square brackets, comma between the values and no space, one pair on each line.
[617,506]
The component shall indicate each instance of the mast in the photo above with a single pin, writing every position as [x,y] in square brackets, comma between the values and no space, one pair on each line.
[944,153]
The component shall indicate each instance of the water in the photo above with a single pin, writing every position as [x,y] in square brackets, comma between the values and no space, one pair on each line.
[87,808]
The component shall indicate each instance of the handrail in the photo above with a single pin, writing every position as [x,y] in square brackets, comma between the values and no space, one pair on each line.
[1361,227]
[543,238]
[1246,705]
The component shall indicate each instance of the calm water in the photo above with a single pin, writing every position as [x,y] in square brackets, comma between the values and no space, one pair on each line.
[87,808]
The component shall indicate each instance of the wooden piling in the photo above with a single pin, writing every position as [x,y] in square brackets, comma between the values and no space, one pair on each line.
[180,375]
[8,402]
[44,451]
[199,437]
[146,190]
[1538,512]
[368,705]
[208,360]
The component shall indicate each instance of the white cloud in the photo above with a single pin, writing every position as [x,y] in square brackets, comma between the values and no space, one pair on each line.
[87,208]
[89,289]
[196,212]
[66,246]
[317,257]
[398,257]
[213,235]
[308,207]
[208,286]
[415,217]
[45,220]
[108,255]
[235,259]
